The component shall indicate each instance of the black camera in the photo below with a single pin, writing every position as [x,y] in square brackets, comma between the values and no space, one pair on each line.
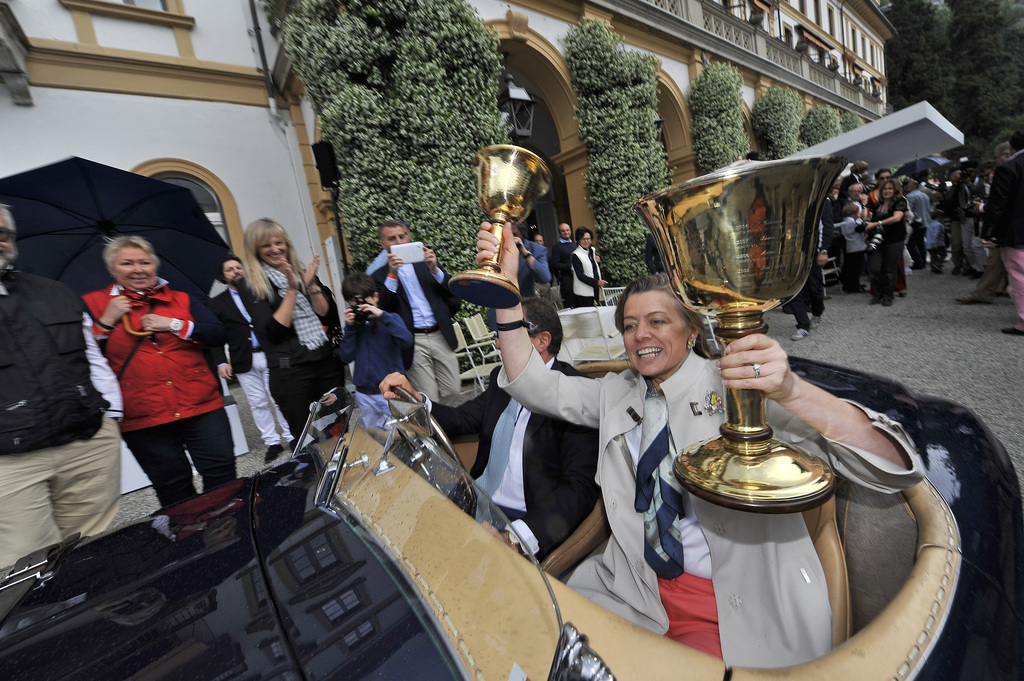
[360,317]
[874,241]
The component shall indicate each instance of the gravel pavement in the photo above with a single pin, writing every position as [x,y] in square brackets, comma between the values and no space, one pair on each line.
[929,343]
[926,341]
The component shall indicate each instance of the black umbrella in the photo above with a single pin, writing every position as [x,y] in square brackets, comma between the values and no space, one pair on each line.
[914,167]
[64,211]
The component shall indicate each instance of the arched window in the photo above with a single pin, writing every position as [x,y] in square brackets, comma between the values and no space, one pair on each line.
[204,196]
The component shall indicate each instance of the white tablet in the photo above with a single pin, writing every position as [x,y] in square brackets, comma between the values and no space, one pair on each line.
[412,252]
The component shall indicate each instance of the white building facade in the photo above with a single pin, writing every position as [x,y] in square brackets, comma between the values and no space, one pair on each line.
[172,89]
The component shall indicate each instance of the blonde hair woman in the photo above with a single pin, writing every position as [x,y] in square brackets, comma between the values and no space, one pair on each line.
[290,309]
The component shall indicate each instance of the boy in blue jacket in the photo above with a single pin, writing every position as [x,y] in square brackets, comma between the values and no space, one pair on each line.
[373,339]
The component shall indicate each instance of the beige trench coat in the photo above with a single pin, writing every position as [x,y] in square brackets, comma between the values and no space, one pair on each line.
[770,587]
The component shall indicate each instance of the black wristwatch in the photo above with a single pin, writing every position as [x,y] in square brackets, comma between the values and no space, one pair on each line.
[511,326]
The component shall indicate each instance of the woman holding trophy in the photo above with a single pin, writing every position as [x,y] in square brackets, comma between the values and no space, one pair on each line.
[747,587]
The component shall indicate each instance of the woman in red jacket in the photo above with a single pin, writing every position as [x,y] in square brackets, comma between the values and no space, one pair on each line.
[153,342]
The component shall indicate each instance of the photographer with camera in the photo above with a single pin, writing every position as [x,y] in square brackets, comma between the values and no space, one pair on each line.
[373,339]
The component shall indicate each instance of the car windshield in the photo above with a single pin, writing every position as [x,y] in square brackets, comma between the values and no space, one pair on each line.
[397,482]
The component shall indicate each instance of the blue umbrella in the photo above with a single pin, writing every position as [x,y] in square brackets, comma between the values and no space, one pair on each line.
[914,167]
[66,210]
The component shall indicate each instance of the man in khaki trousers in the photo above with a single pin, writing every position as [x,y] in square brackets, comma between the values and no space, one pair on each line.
[60,446]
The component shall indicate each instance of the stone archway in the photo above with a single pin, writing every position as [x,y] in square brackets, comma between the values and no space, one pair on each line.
[546,76]
[675,111]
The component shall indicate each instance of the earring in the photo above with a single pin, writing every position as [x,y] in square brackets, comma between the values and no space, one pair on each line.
[690,343]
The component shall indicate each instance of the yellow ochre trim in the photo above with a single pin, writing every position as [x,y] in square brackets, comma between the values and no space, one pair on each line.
[174,16]
[61,64]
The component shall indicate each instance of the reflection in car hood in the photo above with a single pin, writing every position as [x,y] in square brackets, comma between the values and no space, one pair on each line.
[188,594]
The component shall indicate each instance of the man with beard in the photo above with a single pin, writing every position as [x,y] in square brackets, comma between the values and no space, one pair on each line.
[248,362]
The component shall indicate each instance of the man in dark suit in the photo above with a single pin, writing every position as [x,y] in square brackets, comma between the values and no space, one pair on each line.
[248,362]
[419,293]
[539,470]
[562,263]
[1004,219]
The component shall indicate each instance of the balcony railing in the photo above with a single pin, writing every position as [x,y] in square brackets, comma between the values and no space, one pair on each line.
[752,41]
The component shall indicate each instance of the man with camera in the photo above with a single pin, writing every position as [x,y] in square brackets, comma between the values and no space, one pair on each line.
[248,362]
[533,263]
[416,288]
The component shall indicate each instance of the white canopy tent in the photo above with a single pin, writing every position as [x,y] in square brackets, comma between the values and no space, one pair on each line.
[914,132]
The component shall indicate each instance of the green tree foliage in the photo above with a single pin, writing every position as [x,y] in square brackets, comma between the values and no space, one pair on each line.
[849,120]
[986,94]
[819,124]
[1004,135]
[617,99]
[776,121]
[716,102]
[406,92]
[917,57]
[1013,38]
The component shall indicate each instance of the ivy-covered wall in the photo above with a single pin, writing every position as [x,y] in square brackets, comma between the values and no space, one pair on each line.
[617,95]
[406,92]
[716,102]
[775,118]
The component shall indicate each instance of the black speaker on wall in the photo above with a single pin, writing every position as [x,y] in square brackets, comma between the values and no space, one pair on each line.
[326,163]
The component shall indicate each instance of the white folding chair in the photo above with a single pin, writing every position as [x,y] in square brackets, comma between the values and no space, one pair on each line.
[483,338]
[477,372]
[587,337]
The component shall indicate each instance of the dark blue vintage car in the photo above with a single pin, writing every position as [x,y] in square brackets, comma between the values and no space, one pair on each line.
[353,565]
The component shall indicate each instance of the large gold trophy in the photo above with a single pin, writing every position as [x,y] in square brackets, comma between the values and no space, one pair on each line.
[510,180]
[736,243]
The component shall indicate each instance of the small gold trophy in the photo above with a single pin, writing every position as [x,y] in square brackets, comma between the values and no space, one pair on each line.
[510,180]
[736,243]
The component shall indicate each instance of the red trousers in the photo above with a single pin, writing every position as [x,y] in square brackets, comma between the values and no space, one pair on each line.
[692,613]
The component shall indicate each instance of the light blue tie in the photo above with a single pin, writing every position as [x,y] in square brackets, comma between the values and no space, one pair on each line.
[501,443]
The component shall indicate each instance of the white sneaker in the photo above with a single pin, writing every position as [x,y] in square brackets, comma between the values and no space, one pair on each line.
[800,334]
[815,322]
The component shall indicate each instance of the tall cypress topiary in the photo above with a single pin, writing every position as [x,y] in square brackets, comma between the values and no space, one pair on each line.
[406,92]
[820,123]
[776,121]
[716,102]
[617,99]
[849,121]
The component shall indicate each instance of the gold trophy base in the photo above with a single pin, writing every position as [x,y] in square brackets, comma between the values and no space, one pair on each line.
[781,478]
[485,288]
